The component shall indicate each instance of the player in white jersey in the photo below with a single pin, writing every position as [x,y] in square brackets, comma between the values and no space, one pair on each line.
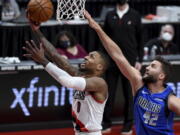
[84,104]
[91,90]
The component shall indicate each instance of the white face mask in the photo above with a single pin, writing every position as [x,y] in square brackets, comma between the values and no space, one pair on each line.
[167,36]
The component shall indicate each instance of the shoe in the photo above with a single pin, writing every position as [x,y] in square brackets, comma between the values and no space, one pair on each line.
[106,129]
[127,130]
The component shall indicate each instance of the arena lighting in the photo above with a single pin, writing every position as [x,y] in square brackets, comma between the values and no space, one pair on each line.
[43,96]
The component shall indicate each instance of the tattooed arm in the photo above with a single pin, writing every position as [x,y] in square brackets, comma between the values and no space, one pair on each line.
[52,53]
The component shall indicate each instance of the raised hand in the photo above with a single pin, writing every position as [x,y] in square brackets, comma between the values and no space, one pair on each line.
[92,23]
[138,66]
[34,25]
[37,54]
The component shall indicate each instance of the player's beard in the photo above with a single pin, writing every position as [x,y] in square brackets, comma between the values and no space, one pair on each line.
[85,70]
[149,79]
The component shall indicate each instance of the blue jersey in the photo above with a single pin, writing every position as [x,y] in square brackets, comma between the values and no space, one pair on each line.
[151,113]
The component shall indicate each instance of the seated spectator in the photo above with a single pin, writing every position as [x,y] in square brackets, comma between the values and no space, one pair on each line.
[163,45]
[68,47]
[10,9]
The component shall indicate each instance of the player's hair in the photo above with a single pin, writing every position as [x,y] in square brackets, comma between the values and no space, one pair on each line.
[105,59]
[166,66]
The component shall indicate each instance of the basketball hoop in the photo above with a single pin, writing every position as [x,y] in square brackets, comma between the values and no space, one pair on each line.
[70,11]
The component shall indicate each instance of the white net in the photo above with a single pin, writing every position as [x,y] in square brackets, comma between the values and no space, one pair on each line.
[68,10]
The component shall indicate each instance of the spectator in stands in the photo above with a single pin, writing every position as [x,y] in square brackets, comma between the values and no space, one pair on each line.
[10,9]
[123,25]
[163,45]
[67,46]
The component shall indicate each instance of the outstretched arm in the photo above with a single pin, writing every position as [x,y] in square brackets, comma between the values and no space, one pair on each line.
[115,52]
[94,84]
[54,56]
[52,53]
[79,83]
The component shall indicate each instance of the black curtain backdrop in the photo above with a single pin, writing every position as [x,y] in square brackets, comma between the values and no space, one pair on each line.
[13,37]
[94,6]
[152,30]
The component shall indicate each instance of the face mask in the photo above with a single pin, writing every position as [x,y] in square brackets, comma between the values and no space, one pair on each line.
[121,2]
[64,44]
[167,36]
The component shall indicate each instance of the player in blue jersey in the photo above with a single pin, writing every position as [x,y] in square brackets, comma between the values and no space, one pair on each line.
[154,102]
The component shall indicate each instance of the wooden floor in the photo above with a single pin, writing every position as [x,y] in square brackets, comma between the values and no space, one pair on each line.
[69,131]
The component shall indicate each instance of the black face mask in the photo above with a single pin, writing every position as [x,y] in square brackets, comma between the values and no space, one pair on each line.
[121,2]
[63,44]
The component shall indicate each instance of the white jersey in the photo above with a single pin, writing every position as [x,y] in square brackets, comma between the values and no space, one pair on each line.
[87,113]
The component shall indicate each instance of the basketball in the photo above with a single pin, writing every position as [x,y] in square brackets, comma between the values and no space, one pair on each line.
[40,10]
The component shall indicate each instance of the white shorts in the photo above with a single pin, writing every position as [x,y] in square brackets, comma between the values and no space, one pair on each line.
[91,133]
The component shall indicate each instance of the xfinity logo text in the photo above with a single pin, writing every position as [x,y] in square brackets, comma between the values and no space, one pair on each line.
[42,97]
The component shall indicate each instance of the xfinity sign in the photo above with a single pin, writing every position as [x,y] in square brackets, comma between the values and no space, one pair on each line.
[42,98]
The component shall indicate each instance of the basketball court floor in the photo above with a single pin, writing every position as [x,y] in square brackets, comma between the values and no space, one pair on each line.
[69,131]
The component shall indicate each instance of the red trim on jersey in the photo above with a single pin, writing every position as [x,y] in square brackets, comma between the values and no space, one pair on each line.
[78,122]
[101,102]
